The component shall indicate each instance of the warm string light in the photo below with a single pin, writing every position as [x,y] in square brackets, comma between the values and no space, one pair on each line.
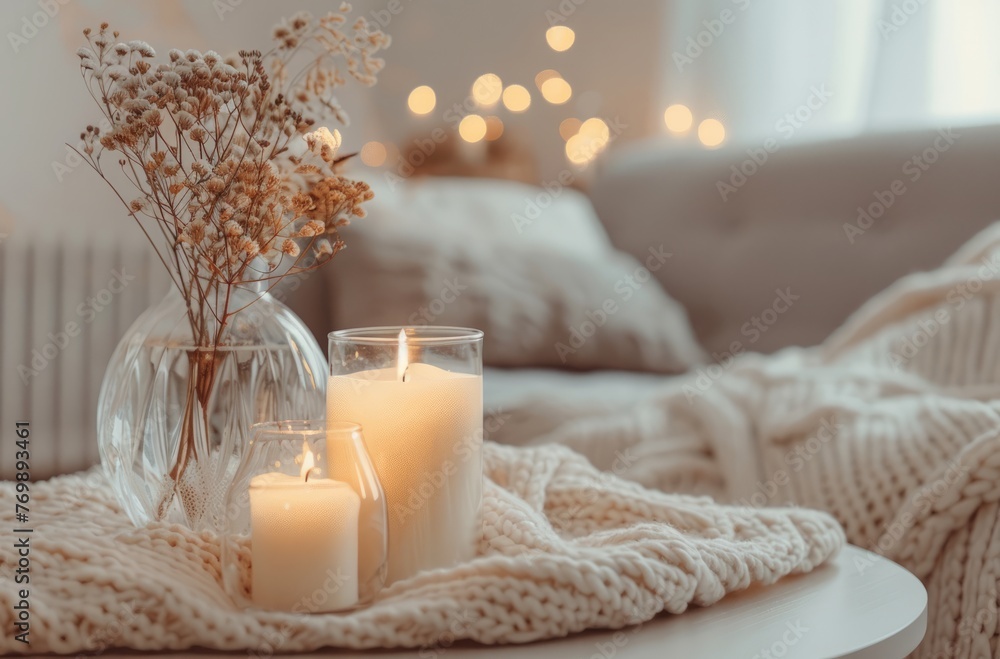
[590,139]
[374,154]
[472,128]
[422,100]
[569,127]
[542,76]
[679,119]
[711,132]
[494,128]
[556,91]
[486,90]
[560,37]
[516,98]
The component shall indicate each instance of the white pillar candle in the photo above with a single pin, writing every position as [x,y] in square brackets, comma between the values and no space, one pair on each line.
[304,543]
[424,433]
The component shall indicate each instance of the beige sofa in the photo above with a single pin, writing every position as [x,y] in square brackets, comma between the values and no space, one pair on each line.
[782,229]
[741,231]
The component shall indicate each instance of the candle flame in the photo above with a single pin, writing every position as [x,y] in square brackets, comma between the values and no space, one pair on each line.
[308,463]
[404,357]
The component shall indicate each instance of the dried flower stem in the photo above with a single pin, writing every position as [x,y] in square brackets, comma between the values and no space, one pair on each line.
[233,185]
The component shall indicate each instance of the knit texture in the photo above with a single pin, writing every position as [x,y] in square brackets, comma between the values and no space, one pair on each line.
[892,426]
[564,548]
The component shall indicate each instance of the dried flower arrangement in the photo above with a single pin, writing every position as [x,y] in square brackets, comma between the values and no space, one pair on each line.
[235,184]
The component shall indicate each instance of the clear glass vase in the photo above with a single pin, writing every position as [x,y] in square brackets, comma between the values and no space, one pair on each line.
[418,393]
[306,522]
[173,417]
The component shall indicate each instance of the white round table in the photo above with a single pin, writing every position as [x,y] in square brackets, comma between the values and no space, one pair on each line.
[861,606]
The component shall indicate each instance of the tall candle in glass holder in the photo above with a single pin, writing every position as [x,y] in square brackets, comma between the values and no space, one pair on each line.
[418,395]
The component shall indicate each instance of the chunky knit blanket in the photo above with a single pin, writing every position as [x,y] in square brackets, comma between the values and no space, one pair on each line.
[564,548]
[892,426]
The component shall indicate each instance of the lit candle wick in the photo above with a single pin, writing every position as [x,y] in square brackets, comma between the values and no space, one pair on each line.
[308,463]
[403,361]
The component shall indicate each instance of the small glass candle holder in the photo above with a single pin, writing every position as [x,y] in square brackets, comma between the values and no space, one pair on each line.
[306,520]
[418,392]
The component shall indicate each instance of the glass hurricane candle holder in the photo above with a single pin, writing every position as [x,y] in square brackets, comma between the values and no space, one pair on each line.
[418,392]
[305,520]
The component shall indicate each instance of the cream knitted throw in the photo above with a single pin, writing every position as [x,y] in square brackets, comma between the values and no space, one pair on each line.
[564,548]
[892,425]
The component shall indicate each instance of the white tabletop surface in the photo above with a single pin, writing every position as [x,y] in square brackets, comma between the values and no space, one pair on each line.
[861,606]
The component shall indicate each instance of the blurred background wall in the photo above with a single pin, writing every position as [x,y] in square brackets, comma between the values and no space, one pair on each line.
[748,65]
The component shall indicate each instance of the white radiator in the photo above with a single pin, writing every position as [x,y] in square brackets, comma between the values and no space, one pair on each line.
[63,309]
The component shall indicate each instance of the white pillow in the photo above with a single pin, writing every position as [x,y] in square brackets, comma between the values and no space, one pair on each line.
[488,211]
[446,251]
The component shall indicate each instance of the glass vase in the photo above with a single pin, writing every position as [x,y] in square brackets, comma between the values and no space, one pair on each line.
[173,417]
[418,393]
[306,520]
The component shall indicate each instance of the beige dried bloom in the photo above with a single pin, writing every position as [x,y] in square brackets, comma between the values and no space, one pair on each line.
[210,144]
[324,144]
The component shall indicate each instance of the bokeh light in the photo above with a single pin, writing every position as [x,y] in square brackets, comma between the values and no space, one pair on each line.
[560,37]
[487,88]
[373,154]
[596,129]
[472,128]
[542,76]
[569,127]
[591,139]
[678,118]
[422,100]
[516,98]
[556,91]
[711,132]
[494,128]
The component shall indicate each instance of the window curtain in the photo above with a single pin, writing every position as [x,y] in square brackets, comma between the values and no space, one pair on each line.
[814,70]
